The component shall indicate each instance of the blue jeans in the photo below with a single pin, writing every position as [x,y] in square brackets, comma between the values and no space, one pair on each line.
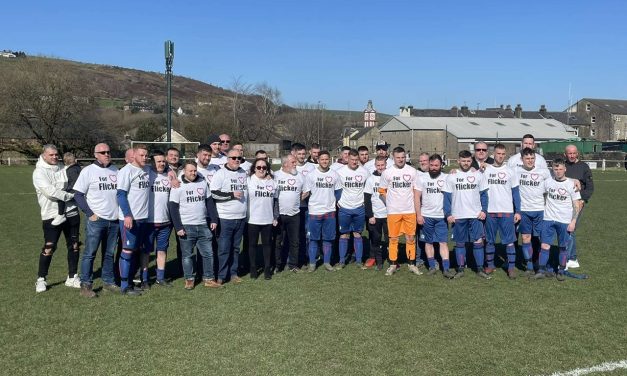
[572,245]
[197,236]
[100,230]
[229,239]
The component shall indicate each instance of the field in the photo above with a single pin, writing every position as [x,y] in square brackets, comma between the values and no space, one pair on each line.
[351,322]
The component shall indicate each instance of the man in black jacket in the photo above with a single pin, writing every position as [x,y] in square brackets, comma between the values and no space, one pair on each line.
[579,170]
[481,158]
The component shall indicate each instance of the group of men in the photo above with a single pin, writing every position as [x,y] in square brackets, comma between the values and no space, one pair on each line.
[205,201]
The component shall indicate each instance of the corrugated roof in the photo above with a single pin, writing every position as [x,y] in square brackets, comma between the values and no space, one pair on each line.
[484,128]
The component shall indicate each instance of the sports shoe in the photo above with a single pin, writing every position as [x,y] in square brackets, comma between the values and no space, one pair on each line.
[111,287]
[163,283]
[130,291]
[391,270]
[432,271]
[87,291]
[296,269]
[41,285]
[450,274]
[414,269]
[421,266]
[549,273]
[489,270]
[189,284]
[74,282]
[58,219]
[511,274]
[379,267]
[311,268]
[359,265]
[144,286]
[481,273]
[328,267]
[572,264]
[560,276]
[529,273]
[459,274]
[370,263]
[212,284]
[236,279]
[278,269]
[538,275]
[339,266]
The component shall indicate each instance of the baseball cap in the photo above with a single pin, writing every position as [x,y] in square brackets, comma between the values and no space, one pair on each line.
[213,139]
[381,145]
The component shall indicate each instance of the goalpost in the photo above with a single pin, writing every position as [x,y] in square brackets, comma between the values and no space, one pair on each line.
[186,149]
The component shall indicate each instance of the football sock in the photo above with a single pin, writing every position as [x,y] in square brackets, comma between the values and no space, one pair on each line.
[563,256]
[358,243]
[489,254]
[431,262]
[543,259]
[477,251]
[343,250]
[160,274]
[511,256]
[527,250]
[125,267]
[327,247]
[460,254]
[313,250]
[446,264]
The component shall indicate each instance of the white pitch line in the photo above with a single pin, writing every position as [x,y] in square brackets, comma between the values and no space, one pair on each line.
[603,367]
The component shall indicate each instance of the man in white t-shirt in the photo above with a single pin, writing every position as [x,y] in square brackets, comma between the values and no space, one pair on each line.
[376,214]
[364,155]
[503,210]
[352,211]
[290,187]
[203,162]
[531,186]
[381,150]
[324,188]
[397,186]
[465,207]
[216,144]
[303,167]
[528,141]
[245,165]
[563,204]
[229,190]
[422,169]
[430,215]
[96,190]
[342,159]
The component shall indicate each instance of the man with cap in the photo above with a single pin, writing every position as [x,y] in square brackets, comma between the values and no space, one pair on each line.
[217,158]
[381,149]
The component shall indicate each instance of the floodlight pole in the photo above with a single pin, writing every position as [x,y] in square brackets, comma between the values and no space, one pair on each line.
[169,57]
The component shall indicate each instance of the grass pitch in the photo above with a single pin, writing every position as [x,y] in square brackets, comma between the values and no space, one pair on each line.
[351,322]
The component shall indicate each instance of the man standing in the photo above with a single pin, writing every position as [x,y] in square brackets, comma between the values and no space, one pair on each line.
[503,210]
[314,153]
[531,187]
[465,206]
[381,150]
[397,186]
[173,158]
[203,162]
[290,186]
[352,212]
[422,170]
[578,170]
[376,213]
[245,165]
[324,188]
[225,144]
[481,159]
[133,198]
[96,190]
[230,193]
[215,144]
[303,168]
[561,210]
[49,180]
[528,141]
[364,155]
[342,159]
[430,215]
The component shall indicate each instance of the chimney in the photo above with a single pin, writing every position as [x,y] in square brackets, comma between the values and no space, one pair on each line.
[464,111]
[542,110]
[518,111]
[508,107]
[405,111]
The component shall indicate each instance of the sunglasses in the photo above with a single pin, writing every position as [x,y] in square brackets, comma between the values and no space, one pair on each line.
[106,152]
[481,149]
[235,158]
[225,141]
[261,168]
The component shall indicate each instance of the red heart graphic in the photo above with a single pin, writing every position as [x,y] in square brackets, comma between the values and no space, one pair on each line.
[329,179]
[201,191]
[440,183]
[113,178]
[241,179]
[358,177]
[270,188]
[165,182]
[502,175]
[535,176]
[406,177]
[471,179]
[291,181]
[562,191]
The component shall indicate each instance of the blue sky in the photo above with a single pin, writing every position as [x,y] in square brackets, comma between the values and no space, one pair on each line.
[422,53]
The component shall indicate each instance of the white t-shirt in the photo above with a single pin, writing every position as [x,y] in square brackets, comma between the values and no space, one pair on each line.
[431,197]
[378,204]
[261,195]
[206,172]
[191,198]
[322,186]
[99,184]
[134,181]
[246,165]
[336,166]
[226,180]
[159,195]
[304,170]
[559,200]
[465,188]
[219,161]
[369,166]
[290,188]
[516,161]
[399,183]
[501,180]
[353,183]
[531,187]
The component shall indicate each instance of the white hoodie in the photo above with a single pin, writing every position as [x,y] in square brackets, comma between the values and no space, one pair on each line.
[49,181]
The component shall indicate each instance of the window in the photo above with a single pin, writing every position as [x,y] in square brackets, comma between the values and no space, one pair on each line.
[473,123]
[499,123]
[593,119]
[593,132]
[587,107]
[550,125]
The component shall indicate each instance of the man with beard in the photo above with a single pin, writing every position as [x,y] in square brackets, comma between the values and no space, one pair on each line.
[364,155]
[430,215]
[314,153]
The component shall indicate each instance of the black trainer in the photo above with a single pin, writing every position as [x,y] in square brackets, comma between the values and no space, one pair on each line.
[130,291]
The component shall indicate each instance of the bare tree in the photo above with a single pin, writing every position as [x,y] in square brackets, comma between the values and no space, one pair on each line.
[304,124]
[267,100]
[241,90]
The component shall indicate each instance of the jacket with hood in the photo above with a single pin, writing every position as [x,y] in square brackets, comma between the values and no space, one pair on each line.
[49,181]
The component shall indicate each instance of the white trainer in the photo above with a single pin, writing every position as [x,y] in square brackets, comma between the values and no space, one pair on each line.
[74,282]
[391,270]
[41,285]
[572,264]
[414,269]
[58,219]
